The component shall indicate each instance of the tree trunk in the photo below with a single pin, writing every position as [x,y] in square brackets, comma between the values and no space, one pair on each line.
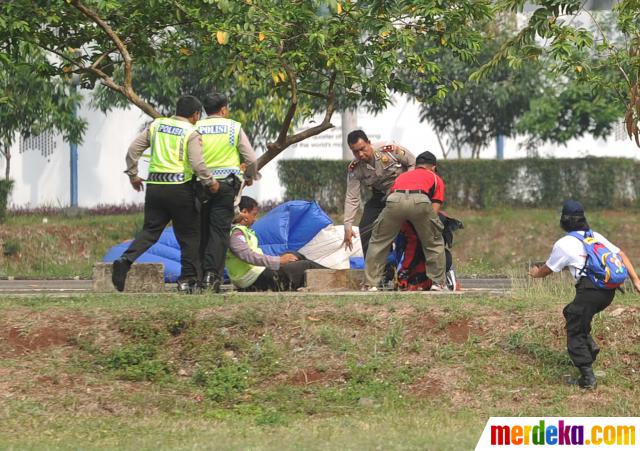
[445,152]
[6,153]
[349,123]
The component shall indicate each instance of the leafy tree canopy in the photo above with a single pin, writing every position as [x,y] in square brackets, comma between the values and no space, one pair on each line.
[576,42]
[282,61]
[32,101]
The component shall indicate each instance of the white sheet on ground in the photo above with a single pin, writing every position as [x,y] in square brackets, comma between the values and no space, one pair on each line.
[326,247]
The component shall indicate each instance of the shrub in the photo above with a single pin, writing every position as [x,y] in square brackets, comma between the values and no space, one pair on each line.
[529,182]
[135,363]
[5,191]
[224,382]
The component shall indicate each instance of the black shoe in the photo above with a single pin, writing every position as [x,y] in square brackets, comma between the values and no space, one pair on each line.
[587,379]
[212,282]
[188,287]
[119,271]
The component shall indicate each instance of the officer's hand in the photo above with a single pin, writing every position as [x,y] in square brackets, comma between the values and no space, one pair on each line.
[348,236]
[287,258]
[248,182]
[215,186]
[137,183]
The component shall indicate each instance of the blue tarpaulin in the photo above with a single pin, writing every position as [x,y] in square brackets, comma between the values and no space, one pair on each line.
[287,227]
[290,226]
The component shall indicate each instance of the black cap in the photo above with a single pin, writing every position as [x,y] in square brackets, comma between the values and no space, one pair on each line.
[572,208]
[426,158]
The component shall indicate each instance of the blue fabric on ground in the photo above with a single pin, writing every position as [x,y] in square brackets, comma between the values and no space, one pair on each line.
[165,251]
[287,227]
[290,226]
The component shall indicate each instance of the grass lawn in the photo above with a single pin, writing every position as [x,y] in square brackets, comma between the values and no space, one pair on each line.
[493,242]
[234,372]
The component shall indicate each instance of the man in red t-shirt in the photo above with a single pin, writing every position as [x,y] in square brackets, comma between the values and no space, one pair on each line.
[415,196]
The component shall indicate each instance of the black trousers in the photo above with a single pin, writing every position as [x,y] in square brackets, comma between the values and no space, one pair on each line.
[217,216]
[372,209]
[289,277]
[578,314]
[175,203]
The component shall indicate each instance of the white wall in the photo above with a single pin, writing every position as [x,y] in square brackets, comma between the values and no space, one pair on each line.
[41,181]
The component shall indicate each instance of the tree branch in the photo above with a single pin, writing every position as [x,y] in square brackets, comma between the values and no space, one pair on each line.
[313,93]
[126,88]
[273,149]
[102,57]
[293,106]
[122,48]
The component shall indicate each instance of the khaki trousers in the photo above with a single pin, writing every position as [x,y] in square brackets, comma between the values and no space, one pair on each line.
[401,207]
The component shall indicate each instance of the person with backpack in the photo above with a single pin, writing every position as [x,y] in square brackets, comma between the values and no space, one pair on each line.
[598,267]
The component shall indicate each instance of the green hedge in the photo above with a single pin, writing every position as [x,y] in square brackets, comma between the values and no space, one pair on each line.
[531,182]
[5,190]
[324,181]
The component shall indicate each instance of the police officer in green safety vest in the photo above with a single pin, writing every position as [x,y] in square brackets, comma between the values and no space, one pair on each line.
[176,154]
[250,269]
[232,161]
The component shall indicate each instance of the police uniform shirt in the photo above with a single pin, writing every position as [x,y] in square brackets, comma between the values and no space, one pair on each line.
[194,153]
[389,161]
[569,251]
[247,154]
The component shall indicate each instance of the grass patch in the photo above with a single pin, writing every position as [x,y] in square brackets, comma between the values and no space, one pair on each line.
[493,242]
[124,371]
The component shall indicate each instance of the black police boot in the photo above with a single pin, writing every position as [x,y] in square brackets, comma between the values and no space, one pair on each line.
[119,271]
[587,379]
[593,347]
[189,286]
[212,282]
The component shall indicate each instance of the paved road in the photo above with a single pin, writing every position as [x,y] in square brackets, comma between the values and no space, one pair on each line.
[34,287]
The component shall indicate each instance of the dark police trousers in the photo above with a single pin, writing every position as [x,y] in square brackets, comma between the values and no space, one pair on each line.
[289,277]
[217,216]
[578,314]
[372,209]
[164,203]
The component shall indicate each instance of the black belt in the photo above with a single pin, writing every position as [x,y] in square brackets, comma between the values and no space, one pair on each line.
[410,191]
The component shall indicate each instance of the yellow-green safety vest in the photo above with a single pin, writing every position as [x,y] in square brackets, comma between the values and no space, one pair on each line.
[241,273]
[220,145]
[169,161]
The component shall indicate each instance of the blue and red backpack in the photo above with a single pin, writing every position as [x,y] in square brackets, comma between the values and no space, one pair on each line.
[603,266]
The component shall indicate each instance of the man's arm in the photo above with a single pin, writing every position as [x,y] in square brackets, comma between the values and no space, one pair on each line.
[404,156]
[539,271]
[249,158]
[437,198]
[351,204]
[196,159]
[240,248]
[632,271]
[135,151]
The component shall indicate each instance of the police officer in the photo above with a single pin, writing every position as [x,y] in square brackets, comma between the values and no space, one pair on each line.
[569,252]
[227,151]
[376,166]
[250,269]
[415,197]
[176,153]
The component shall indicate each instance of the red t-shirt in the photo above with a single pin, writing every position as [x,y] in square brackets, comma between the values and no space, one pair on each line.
[421,179]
